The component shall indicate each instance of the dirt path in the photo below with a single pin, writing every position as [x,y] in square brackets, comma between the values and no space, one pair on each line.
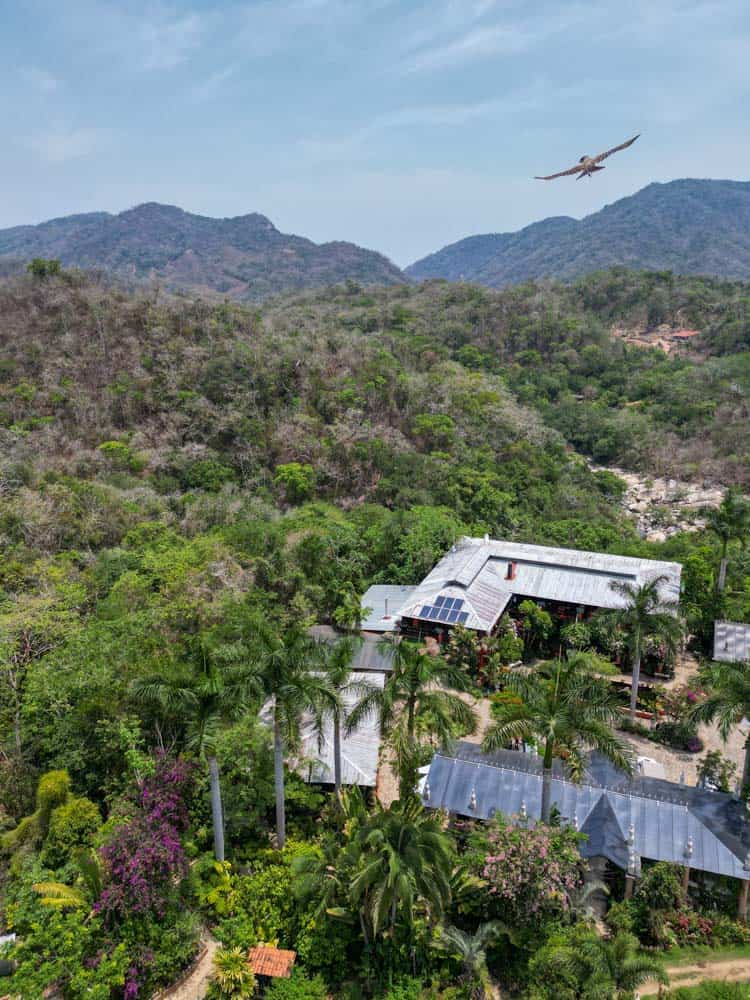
[730,970]
[196,984]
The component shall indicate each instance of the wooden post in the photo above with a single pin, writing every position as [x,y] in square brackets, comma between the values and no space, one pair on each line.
[685,881]
[629,883]
[742,901]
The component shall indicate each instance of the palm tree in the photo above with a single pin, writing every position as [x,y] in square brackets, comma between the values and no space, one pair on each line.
[199,699]
[616,967]
[419,694]
[234,977]
[728,702]
[288,669]
[645,615]
[84,893]
[730,521]
[471,950]
[568,709]
[404,861]
[336,662]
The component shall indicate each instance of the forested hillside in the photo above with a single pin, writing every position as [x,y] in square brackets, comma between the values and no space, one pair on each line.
[181,479]
[245,258]
[689,226]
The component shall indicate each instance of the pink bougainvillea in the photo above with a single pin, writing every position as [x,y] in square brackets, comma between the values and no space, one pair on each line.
[533,873]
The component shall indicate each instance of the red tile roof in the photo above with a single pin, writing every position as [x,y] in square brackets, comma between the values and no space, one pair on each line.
[268,961]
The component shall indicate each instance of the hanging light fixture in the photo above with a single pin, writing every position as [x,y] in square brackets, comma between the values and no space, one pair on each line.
[689,848]
[523,812]
[473,800]
[426,791]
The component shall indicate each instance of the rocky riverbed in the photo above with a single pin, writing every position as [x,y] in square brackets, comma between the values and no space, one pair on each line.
[662,507]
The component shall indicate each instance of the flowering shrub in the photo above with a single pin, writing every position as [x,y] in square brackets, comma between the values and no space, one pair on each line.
[145,855]
[532,873]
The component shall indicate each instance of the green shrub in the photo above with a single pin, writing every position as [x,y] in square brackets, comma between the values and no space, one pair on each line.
[297,987]
[296,480]
[71,825]
[234,979]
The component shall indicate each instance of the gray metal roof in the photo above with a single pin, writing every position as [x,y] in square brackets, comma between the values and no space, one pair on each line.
[663,816]
[731,642]
[477,571]
[383,600]
[359,751]
[373,654]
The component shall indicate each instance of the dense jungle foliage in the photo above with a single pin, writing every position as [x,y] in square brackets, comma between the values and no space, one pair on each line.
[175,475]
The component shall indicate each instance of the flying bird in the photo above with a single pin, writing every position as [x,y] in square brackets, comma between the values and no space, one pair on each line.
[588,164]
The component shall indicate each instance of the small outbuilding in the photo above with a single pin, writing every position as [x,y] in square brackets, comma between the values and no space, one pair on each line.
[271,963]
[732,642]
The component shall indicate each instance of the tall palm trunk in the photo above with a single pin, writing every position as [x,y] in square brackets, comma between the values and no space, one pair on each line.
[746,767]
[723,566]
[216,811]
[636,675]
[547,783]
[278,777]
[337,754]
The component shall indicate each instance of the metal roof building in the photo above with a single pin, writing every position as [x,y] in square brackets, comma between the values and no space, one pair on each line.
[359,751]
[731,642]
[474,582]
[381,603]
[656,819]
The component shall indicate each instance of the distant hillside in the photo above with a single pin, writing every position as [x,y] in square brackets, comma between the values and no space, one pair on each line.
[243,258]
[686,226]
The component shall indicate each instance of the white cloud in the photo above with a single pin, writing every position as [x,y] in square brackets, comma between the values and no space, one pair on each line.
[167,40]
[536,96]
[206,90]
[62,145]
[40,80]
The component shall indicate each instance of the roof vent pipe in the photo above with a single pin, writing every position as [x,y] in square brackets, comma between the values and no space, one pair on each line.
[511,571]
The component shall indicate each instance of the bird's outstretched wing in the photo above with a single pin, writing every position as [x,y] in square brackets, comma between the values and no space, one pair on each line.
[563,173]
[615,149]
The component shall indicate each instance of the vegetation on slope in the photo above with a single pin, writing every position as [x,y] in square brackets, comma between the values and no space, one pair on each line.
[689,226]
[244,257]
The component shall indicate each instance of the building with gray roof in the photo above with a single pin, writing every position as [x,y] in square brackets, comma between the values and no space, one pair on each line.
[380,605]
[360,749]
[621,815]
[479,578]
[732,642]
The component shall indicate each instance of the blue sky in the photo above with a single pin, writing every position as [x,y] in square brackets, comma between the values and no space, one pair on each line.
[399,125]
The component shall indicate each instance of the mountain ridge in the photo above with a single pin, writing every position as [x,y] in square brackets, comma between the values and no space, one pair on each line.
[244,257]
[690,226]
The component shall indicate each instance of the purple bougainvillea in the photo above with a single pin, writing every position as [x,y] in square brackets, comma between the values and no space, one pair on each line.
[145,859]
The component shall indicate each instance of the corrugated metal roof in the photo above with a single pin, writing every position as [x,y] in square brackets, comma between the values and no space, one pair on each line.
[731,642]
[384,600]
[605,806]
[478,571]
[359,751]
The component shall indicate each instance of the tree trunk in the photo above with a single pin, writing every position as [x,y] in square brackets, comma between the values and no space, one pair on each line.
[722,573]
[216,811]
[278,775]
[337,755]
[746,767]
[634,688]
[547,784]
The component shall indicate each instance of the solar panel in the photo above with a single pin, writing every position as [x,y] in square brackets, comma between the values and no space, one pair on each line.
[439,601]
[425,612]
[463,617]
[453,616]
[458,602]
